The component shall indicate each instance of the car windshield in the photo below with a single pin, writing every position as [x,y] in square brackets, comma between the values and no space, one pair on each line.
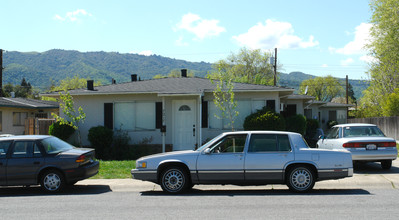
[53,145]
[362,131]
[209,143]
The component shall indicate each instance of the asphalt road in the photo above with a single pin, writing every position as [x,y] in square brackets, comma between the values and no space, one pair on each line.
[372,193]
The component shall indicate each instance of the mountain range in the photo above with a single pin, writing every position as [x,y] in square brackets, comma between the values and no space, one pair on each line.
[40,69]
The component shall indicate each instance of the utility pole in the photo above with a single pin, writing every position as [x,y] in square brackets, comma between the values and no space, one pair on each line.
[1,73]
[275,67]
[347,97]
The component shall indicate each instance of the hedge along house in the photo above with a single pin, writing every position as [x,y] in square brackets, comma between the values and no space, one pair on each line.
[173,111]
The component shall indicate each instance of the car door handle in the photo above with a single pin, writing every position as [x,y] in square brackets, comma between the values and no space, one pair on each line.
[36,162]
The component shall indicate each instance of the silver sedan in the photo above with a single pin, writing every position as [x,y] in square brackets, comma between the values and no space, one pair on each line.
[246,158]
[366,142]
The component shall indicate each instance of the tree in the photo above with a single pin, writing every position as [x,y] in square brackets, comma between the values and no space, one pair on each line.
[73,117]
[247,66]
[322,88]
[384,47]
[224,96]
[391,104]
[72,83]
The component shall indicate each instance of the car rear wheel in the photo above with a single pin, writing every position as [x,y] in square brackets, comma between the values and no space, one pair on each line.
[52,181]
[300,179]
[174,180]
[386,164]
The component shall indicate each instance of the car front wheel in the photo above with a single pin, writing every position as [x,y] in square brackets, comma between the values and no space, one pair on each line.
[386,164]
[52,181]
[300,179]
[174,180]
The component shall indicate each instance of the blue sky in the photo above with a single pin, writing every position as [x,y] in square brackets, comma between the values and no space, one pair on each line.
[312,36]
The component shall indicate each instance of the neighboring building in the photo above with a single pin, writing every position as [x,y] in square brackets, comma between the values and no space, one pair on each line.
[175,111]
[16,113]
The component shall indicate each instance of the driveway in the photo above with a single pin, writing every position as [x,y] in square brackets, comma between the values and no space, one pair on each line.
[366,176]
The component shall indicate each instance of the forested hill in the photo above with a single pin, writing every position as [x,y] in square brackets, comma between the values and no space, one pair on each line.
[39,69]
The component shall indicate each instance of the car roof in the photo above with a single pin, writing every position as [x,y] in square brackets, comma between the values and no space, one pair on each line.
[260,132]
[25,137]
[354,125]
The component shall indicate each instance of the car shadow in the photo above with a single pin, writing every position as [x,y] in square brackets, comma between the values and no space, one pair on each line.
[16,191]
[257,192]
[373,168]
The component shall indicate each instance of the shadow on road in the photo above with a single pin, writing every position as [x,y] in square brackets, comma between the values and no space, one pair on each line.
[37,191]
[257,192]
[373,168]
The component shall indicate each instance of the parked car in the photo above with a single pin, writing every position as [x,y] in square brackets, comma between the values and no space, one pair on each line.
[245,158]
[366,142]
[313,137]
[45,160]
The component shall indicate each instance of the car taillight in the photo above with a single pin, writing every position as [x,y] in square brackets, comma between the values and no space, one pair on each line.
[80,159]
[360,144]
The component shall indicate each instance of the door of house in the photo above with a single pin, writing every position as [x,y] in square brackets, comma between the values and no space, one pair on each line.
[184,129]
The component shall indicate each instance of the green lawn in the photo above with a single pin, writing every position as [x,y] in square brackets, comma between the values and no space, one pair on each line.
[115,169]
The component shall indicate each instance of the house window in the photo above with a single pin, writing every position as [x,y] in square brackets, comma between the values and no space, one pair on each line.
[308,113]
[41,115]
[18,118]
[244,107]
[271,104]
[135,116]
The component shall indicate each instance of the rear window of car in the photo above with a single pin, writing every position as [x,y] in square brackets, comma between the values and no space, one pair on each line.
[362,131]
[54,145]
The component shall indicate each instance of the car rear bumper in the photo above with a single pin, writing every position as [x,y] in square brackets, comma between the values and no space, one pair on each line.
[145,175]
[335,173]
[374,155]
[82,172]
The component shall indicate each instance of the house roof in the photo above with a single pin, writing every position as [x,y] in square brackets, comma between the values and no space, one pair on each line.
[170,86]
[333,104]
[27,103]
[298,97]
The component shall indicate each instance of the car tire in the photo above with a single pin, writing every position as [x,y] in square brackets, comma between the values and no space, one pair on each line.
[52,181]
[386,164]
[174,180]
[300,179]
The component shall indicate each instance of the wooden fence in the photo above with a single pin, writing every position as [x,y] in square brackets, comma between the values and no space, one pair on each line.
[388,125]
[38,125]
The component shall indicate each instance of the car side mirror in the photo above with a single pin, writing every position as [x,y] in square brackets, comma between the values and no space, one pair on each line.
[207,151]
[321,137]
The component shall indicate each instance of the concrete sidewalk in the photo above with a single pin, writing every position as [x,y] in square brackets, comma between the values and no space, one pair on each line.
[367,176]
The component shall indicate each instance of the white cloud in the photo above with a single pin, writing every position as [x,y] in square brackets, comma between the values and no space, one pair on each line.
[324,65]
[362,36]
[201,28]
[73,16]
[273,34]
[347,62]
[368,59]
[180,42]
[146,53]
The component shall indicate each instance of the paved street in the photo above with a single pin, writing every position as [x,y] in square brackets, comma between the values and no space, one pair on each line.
[372,193]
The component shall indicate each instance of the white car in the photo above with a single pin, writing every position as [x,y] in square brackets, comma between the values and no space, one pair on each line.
[246,158]
[366,142]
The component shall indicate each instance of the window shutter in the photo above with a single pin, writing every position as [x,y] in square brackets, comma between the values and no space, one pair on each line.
[158,115]
[109,115]
[204,113]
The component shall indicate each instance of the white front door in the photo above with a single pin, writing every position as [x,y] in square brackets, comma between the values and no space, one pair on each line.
[184,113]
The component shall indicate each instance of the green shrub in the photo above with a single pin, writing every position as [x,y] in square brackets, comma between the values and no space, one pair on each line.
[311,126]
[296,123]
[264,120]
[100,138]
[62,131]
[121,149]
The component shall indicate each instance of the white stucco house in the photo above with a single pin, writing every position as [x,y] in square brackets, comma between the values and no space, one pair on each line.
[174,111]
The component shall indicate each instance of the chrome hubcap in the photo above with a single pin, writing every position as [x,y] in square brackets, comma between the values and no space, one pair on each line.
[173,180]
[301,179]
[52,181]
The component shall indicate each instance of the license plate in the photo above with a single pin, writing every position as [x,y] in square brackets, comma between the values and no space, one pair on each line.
[371,147]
